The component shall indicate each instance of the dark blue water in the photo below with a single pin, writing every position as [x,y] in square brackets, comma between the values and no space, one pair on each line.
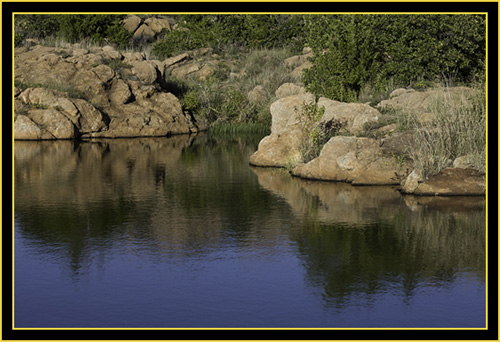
[182,232]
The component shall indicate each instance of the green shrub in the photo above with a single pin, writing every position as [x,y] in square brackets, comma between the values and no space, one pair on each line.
[99,28]
[36,26]
[356,51]
[230,32]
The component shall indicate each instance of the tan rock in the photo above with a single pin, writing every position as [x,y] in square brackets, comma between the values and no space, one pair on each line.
[120,92]
[184,70]
[110,53]
[26,129]
[146,71]
[54,122]
[450,182]
[277,150]
[176,59]
[144,31]
[131,23]
[158,24]
[286,112]
[360,161]
[289,89]
[353,115]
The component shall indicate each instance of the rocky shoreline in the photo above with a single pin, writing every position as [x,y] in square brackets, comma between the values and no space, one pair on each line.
[79,93]
[361,160]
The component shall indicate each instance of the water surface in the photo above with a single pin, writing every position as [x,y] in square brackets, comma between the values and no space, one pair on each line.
[182,232]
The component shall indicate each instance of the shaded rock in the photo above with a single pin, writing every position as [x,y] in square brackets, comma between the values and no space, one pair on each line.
[356,160]
[448,182]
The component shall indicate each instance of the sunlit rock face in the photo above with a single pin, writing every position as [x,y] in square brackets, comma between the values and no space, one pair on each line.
[78,93]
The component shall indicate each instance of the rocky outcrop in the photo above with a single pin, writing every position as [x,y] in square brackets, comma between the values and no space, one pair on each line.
[148,29]
[77,93]
[356,158]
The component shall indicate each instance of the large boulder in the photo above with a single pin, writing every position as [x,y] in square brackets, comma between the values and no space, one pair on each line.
[282,147]
[278,150]
[360,161]
[287,112]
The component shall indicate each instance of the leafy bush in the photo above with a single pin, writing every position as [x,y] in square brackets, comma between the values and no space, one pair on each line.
[356,51]
[224,32]
[35,25]
[96,27]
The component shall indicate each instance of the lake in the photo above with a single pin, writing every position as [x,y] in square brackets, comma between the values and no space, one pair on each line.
[182,232]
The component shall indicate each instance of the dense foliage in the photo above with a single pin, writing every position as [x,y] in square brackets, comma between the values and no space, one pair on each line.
[356,51]
[225,32]
[97,28]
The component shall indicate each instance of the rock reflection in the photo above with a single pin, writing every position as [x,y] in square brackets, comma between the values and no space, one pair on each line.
[194,197]
[357,242]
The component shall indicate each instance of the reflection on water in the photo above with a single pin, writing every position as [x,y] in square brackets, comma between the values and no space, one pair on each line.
[182,232]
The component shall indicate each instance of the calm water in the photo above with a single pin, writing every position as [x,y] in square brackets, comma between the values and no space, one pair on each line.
[181,232]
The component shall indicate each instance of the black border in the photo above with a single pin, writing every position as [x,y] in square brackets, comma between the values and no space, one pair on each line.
[226,7]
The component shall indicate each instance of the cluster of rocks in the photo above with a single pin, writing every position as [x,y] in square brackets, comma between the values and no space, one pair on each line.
[354,158]
[65,93]
[148,29]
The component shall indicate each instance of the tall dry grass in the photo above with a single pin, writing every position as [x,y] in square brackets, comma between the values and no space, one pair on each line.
[459,129]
